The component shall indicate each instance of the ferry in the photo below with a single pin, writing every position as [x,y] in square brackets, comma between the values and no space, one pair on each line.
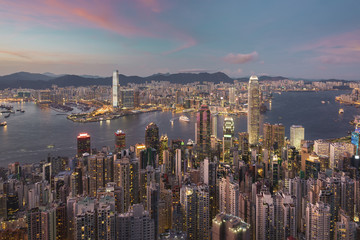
[341,111]
[322,102]
[2,124]
[184,118]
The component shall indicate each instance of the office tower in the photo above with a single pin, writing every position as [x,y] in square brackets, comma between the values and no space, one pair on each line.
[297,134]
[317,221]
[228,130]
[203,132]
[95,174]
[12,205]
[312,166]
[115,84]
[322,147]
[33,218]
[229,196]
[135,224]
[214,125]
[178,165]
[275,216]
[345,229]
[274,136]
[136,99]
[106,218]
[120,142]
[165,207]
[152,136]
[148,158]
[231,95]
[127,98]
[85,219]
[253,119]
[244,144]
[83,144]
[337,151]
[164,145]
[229,227]
[194,201]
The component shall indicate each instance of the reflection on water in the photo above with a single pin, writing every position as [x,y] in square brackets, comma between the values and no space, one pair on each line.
[35,129]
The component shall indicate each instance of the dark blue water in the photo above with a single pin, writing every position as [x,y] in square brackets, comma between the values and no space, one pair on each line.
[28,134]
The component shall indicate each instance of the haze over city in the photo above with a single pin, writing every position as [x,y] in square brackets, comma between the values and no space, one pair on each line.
[300,39]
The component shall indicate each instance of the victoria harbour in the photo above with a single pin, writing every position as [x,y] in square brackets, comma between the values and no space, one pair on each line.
[28,136]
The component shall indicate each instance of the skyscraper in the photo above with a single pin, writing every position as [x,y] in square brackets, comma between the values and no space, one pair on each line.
[253,123]
[203,132]
[297,133]
[318,221]
[231,95]
[152,136]
[120,143]
[83,144]
[127,98]
[115,83]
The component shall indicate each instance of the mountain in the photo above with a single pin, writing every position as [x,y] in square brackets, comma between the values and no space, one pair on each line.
[26,76]
[46,80]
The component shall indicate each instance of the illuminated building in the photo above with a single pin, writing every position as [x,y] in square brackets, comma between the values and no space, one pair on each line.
[61,221]
[317,221]
[228,131]
[253,118]
[297,134]
[136,99]
[203,131]
[85,219]
[148,158]
[127,98]
[231,95]
[34,224]
[229,227]
[312,166]
[115,84]
[345,229]
[152,136]
[164,145]
[214,126]
[83,144]
[12,205]
[322,147]
[138,148]
[195,204]
[337,151]
[244,144]
[274,136]
[280,207]
[106,218]
[135,224]
[120,142]
[228,196]
[178,165]
[152,200]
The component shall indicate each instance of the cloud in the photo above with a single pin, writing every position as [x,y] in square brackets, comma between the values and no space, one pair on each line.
[109,15]
[337,49]
[240,58]
[15,53]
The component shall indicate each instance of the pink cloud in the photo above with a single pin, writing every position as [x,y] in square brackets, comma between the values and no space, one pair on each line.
[338,49]
[110,15]
[240,58]
[15,53]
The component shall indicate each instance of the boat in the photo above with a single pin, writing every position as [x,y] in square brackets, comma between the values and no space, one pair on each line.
[2,124]
[323,102]
[184,118]
[341,111]
[22,111]
[51,146]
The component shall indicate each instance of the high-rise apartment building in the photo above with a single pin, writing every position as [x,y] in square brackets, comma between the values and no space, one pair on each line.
[317,221]
[229,227]
[253,118]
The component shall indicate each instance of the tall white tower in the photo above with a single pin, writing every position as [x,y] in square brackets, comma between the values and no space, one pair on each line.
[115,85]
[253,123]
[297,134]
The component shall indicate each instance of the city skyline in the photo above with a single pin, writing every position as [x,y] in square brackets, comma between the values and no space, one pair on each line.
[144,37]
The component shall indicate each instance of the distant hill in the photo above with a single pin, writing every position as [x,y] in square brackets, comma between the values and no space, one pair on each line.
[46,80]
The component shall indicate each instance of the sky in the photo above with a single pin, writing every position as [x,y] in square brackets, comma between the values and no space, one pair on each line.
[312,39]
